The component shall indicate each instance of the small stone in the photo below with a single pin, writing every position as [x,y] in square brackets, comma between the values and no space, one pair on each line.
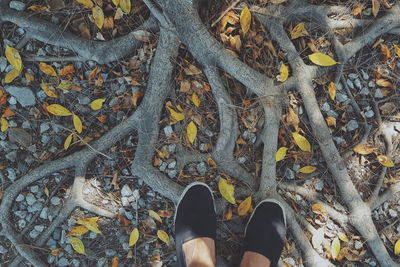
[44,127]
[392,213]
[21,214]
[44,213]
[339,86]
[163,166]
[364,91]
[369,114]
[171,148]
[290,261]
[172,165]
[34,189]
[365,75]
[339,140]
[55,201]
[319,185]
[3,64]
[102,262]
[76,262]
[126,191]
[289,173]
[357,83]
[353,76]
[358,245]
[168,131]
[84,100]
[45,139]
[92,235]
[3,250]
[39,228]
[125,201]
[332,113]
[110,252]
[371,84]
[350,84]
[30,199]
[20,198]
[63,262]
[12,100]
[33,234]
[325,107]
[378,93]
[51,259]
[37,206]
[24,95]
[57,234]
[20,136]
[12,156]
[17,5]
[341,97]
[242,160]
[128,215]
[352,125]
[172,173]
[11,175]
[21,223]
[201,168]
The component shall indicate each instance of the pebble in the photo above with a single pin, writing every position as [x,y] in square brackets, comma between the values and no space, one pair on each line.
[34,233]
[332,113]
[171,148]
[3,64]
[44,127]
[92,235]
[168,131]
[357,83]
[21,213]
[289,261]
[30,199]
[24,95]
[371,84]
[319,185]
[76,262]
[341,97]
[172,165]
[289,173]
[352,125]
[12,100]
[55,201]
[358,245]
[242,160]
[11,174]
[57,234]
[369,114]
[172,173]
[201,168]
[365,75]
[378,93]
[339,86]
[126,191]
[37,206]
[3,250]
[102,262]
[128,215]
[125,201]
[12,156]
[325,107]
[39,228]
[339,140]
[63,262]
[163,166]
[84,100]
[34,189]
[44,213]
[21,223]
[392,213]
[350,83]
[20,198]
[45,139]
[364,91]
[353,76]
[17,5]
[110,252]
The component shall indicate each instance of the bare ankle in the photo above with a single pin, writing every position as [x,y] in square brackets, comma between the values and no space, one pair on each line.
[200,252]
[254,259]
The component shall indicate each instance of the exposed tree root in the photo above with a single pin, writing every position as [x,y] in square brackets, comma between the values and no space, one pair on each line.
[179,19]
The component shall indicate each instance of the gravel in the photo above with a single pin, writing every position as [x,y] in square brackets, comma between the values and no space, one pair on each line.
[172,173]
[168,131]
[3,250]
[44,214]
[11,174]
[352,125]
[3,64]
[364,91]
[20,198]
[17,5]
[55,201]
[378,93]
[201,168]
[21,213]
[21,223]
[126,191]
[35,189]
[34,233]
[289,173]
[30,199]
[23,95]
[63,262]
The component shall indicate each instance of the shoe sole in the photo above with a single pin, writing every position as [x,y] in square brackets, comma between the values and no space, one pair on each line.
[187,189]
[268,200]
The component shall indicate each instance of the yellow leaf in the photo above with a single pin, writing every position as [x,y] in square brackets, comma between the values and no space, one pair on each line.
[283,73]
[343,237]
[56,251]
[116,2]
[244,207]
[301,142]
[335,248]
[97,104]
[3,124]
[385,52]
[118,14]
[47,69]
[376,4]
[195,99]
[49,92]
[46,191]
[397,248]
[77,245]
[364,149]
[91,224]
[37,8]
[175,116]
[298,31]
[64,85]
[68,141]
[163,236]
[331,121]
[384,83]
[191,131]
[78,231]
[281,153]
[155,216]
[77,123]
[228,215]
[278,1]
[29,77]
[133,237]
[385,161]
[58,110]
[14,58]
[98,16]
[86,3]
[322,59]
[332,90]
[396,49]
[227,190]
[11,75]
[318,208]
[69,69]
[245,20]
[307,169]
[125,6]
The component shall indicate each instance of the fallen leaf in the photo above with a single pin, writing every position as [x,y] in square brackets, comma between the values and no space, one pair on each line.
[396,49]
[47,69]
[69,69]
[376,4]
[64,85]
[385,161]
[397,248]
[58,110]
[292,118]
[385,52]
[227,215]
[49,92]
[298,31]
[97,104]
[46,191]
[196,100]
[331,121]
[191,131]
[86,3]
[335,248]
[318,208]
[77,123]
[118,14]
[357,9]
[114,262]
[227,190]
[165,213]
[155,216]
[163,236]
[384,83]
[307,169]
[281,153]
[11,75]
[283,73]
[125,6]
[175,116]
[29,77]
[301,142]
[192,70]
[321,59]
[244,206]
[211,162]
[56,251]
[245,20]
[133,237]
[78,230]
[14,58]
[91,224]
[275,2]
[77,245]
[116,2]
[364,149]
[98,16]
[8,113]
[332,90]
[68,141]
[343,237]
[3,124]
[38,8]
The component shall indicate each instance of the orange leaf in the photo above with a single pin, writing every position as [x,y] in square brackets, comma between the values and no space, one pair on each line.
[318,209]
[244,207]
[385,52]
[115,262]
[69,69]
[49,92]
[8,113]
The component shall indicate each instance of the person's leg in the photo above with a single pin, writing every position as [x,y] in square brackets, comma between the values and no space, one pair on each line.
[196,227]
[264,235]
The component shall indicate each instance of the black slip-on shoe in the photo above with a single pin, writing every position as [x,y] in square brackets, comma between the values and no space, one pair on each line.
[266,230]
[195,217]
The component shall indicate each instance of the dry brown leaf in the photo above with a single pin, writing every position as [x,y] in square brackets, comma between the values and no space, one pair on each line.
[376,4]
[385,52]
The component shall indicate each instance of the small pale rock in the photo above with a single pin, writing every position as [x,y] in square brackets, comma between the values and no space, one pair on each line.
[341,97]
[125,201]
[17,5]
[110,252]
[172,173]
[339,86]
[358,245]
[319,185]
[392,213]
[34,234]
[20,136]
[3,250]
[63,262]
[339,140]
[364,91]
[34,189]
[30,199]
[55,201]
[92,235]
[21,223]
[168,131]
[369,114]
[371,84]
[365,75]
[289,174]
[24,95]
[3,64]
[201,168]
[44,213]
[44,127]
[378,93]
[172,165]
[353,76]
[20,198]
[357,83]
[11,174]
[350,83]
[325,107]
[126,191]
[352,125]
[39,228]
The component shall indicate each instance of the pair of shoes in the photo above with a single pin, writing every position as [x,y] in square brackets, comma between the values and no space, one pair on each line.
[195,217]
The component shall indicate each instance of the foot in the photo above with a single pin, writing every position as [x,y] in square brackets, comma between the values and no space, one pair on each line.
[265,233]
[195,226]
